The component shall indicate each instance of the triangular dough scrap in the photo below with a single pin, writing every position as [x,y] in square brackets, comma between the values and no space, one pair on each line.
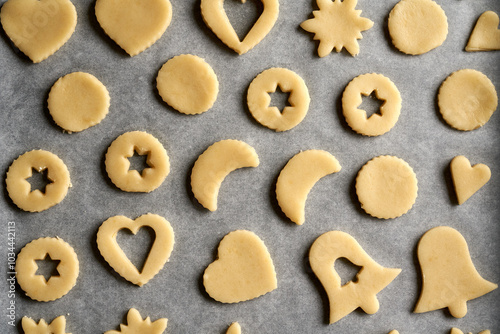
[486,33]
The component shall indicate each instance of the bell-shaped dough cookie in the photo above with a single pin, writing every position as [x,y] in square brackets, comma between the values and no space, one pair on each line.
[468,179]
[486,34]
[449,278]
[137,325]
[371,279]
[244,269]
[57,326]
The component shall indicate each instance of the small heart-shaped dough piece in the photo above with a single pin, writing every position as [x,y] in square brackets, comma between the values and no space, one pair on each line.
[468,179]
[244,269]
[134,25]
[114,255]
[486,35]
[38,27]
[216,19]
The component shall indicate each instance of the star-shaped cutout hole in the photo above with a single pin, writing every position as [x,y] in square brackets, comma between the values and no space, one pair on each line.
[279,99]
[139,162]
[371,104]
[47,267]
[38,180]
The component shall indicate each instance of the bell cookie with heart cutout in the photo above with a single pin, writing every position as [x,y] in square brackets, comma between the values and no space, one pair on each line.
[486,34]
[118,260]
[244,269]
[216,19]
[468,179]
[134,25]
[38,27]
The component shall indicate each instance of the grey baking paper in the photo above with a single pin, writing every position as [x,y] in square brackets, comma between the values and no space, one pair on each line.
[101,298]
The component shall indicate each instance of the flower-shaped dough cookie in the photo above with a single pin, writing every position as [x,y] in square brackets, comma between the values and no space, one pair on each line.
[136,325]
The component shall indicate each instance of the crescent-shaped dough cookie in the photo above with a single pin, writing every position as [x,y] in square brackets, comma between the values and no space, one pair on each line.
[213,165]
[297,179]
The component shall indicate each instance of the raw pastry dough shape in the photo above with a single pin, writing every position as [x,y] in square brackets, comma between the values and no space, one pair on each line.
[118,165]
[394,332]
[188,84]
[134,25]
[370,280]
[337,24]
[467,99]
[216,19]
[468,179]
[386,187]
[486,34]
[243,270]
[118,260]
[417,26]
[38,27]
[35,286]
[298,177]
[19,188]
[136,325]
[449,278]
[378,123]
[258,99]
[213,165]
[458,331]
[235,328]
[57,326]
[78,101]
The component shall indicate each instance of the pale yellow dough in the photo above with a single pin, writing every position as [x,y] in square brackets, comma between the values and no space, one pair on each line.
[417,26]
[378,123]
[243,270]
[298,177]
[258,99]
[449,278]
[117,163]
[118,260]
[136,325]
[386,187]
[19,188]
[468,179]
[467,99]
[394,332]
[78,101]
[35,286]
[134,25]
[235,328]
[370,280]
[188,84]
[57,326]
[337,25]
[486,34]
[213,165]
[38,27]
[216,19]
[458,331]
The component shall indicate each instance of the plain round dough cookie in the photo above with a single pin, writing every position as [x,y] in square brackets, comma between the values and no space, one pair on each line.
[364,85]
[467,99]
[188,84]
[417,26]
[19,188]
[78,101]
[35,285]
[386,187]
[117,163]
[258,99]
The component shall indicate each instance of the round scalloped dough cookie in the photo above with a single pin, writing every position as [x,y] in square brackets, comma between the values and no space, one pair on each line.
[467,99]
[78,101]
[188,84]
[417,26]
[386,187]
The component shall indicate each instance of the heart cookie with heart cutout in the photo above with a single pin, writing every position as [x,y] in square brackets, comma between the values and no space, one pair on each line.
[216,19]
[486,35]
[244,269]
[134,25]
[468,179]
[114,255]
[38,27]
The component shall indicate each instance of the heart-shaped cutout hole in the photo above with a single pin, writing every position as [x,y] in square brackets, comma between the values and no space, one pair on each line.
[136,246]
[243,15]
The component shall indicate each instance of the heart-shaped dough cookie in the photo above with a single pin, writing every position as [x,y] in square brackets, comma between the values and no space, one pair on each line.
[244,269]
[134,25]
[114,255]
[468,179]
[216,19]
[38,27]
[486,35]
